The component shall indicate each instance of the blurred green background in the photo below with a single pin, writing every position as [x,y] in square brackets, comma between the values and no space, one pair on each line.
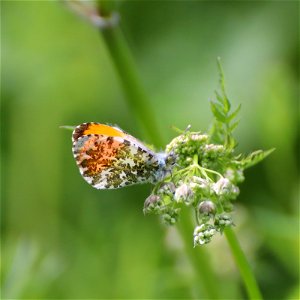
[60,238]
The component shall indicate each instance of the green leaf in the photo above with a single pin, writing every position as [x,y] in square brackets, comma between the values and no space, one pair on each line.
[255,157]
[234,125]
[215,133]
[220,108]
[224,101]
[235,113]
[217,113]
[227,104]
[219,97]
[231,143]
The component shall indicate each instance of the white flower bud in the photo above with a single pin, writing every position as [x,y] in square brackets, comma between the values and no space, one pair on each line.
[222,186]
[234,176]
[200,185]
[207,207]
[230,174]
[222,221]
[214,148]
[167,188]
[152,203]
[203,234]
[199,137]
[175,143]
[183,193]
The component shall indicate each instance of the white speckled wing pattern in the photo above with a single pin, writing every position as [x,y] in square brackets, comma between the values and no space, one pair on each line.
[109,158]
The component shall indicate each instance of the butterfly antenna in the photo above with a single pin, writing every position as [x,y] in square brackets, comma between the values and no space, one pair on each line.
[68,127]
[187,128]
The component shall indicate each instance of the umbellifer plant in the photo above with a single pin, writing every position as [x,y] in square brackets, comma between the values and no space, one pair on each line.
[206,173]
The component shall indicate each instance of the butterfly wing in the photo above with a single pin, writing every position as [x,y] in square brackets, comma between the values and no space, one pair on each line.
[109,158]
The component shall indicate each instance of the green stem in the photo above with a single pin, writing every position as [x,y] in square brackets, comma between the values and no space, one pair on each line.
[195,159]
[134,92]
[243,265]
[199,258]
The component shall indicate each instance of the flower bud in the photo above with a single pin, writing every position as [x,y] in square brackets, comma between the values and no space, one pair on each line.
[235,176]
[222,221]
[240,176]
[199,137]
[212,148]
[170,216]
[222,186]
[167,219]
[203,234]
[176,144]
[188,160]
[200,185]
[152,203]
[183,193]
[230,174]
[167,188]
[207,208]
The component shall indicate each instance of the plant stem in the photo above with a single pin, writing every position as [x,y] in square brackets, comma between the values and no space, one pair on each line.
[135,94]
[243,265]
[199,258]
[195,159]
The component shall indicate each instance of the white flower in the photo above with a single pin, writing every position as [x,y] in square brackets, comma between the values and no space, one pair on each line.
[213,148]
[199,137]
[222,186]
[183,193]
[201,185]
[175,143]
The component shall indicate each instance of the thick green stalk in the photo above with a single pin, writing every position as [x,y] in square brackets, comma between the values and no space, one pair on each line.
[133,89]
[243,265]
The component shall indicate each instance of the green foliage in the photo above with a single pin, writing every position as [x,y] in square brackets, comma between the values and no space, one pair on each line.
[225,121]
[254,158]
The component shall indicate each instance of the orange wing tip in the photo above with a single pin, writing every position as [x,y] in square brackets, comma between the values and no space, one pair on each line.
[96,128]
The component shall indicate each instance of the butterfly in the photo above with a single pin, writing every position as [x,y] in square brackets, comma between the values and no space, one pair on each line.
[110,158]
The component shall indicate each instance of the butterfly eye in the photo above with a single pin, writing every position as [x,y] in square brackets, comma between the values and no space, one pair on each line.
[171,159]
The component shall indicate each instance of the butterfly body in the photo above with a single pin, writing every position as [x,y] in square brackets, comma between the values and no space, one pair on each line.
[110,158]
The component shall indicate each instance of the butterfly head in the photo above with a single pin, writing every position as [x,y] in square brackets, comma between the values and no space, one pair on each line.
[167,161]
